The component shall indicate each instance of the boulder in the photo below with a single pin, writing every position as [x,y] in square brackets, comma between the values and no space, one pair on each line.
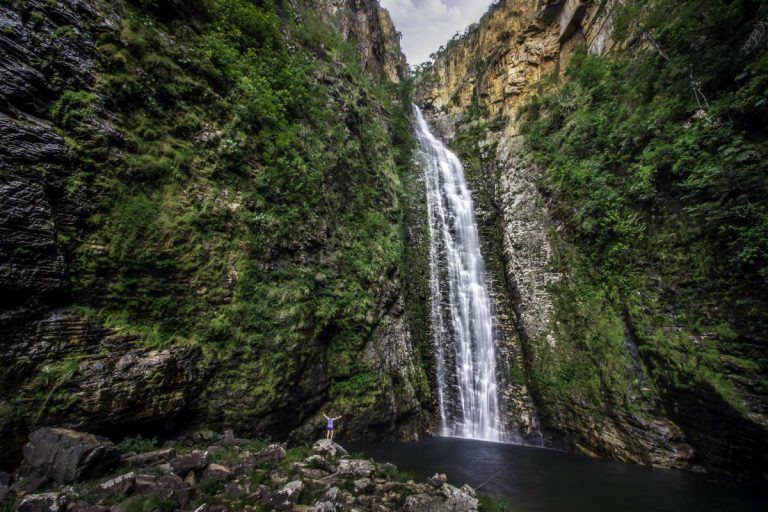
[30,482]
[325,506]
[145,483]
[334,495]
[319,462]
[286,497]
[115,487]
[328,448]
[363,486]
[449,499]
[387,468]
[228,438]
[274,452]
[149,458]
[67,456]
[172,485]
[356,468]
[235,490]
[194,461]
[438,480]
[217,473]
[246,465]
[202,436]
[45,502]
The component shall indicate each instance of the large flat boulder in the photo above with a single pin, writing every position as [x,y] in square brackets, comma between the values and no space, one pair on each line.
[329,449]
[67,456]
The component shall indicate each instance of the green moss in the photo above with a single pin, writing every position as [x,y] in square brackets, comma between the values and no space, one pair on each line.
[254,202]
[660,183]
[493,503]
[137,444]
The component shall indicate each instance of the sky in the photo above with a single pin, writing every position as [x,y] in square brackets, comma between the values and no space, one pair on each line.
[427,24]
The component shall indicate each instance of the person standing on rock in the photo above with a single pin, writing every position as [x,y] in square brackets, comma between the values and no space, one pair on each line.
[329,426]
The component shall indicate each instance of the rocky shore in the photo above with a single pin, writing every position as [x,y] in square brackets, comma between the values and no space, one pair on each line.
[65,470]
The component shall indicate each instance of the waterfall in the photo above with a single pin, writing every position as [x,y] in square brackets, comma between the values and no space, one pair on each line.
[462,317]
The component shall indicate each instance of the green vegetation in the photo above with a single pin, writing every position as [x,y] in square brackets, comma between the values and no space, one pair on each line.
[137,444]
[655,161]
[493,503]
[249,197]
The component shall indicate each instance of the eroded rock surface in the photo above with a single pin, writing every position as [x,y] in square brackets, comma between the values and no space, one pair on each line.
[67,456]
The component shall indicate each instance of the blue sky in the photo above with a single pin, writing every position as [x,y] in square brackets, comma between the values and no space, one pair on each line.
[426,24]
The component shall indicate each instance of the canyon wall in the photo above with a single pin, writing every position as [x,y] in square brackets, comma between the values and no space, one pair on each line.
[642,409]
[160,266]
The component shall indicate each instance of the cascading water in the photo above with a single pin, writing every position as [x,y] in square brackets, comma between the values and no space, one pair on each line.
[461,307]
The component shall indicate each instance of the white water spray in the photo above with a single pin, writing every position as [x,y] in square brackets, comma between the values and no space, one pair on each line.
[461,307]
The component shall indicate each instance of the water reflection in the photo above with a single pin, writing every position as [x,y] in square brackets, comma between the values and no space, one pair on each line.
[534,479]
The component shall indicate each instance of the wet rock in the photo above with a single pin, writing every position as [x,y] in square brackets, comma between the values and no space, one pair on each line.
[286,496]
[120,486]
[356,468]
[328,448]
[318,462]
[149,458]
[46,502]
[66,456]
[217,473]
[196,461]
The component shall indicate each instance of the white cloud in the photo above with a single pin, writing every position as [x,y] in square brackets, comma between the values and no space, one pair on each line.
[427,24]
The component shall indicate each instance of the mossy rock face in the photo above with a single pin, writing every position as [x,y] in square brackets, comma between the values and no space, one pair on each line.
[634,217]
[220,191]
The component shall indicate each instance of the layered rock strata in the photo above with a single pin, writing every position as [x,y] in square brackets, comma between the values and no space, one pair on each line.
[482,79]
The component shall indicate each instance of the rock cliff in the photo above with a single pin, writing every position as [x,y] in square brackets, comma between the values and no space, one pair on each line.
[144,183]
[475,93]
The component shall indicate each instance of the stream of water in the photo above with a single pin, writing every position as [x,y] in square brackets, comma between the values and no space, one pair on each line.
[462,316]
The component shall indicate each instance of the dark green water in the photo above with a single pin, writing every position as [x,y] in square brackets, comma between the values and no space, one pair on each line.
[537,480]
